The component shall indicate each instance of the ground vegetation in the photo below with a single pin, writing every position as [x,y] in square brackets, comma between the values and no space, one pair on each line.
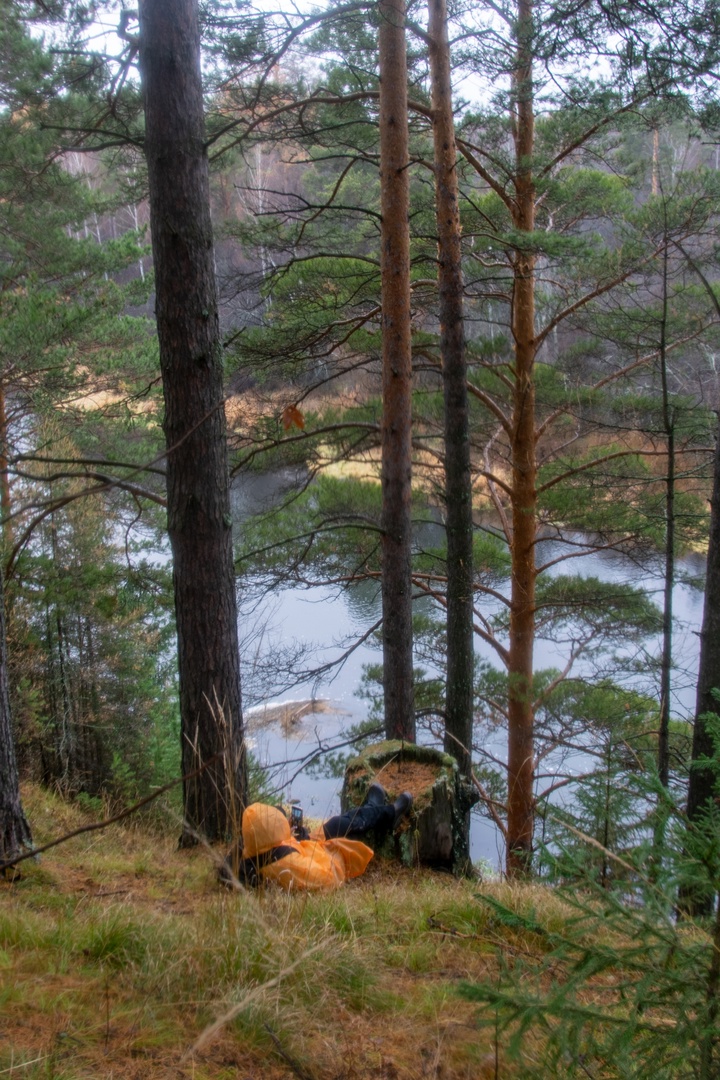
[121,952]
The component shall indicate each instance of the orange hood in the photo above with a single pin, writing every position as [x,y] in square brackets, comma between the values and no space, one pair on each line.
[263,827]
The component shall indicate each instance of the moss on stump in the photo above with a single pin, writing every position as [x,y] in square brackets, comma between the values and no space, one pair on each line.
[435,833]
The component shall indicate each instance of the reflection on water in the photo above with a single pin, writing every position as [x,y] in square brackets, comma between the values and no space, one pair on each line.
[364,602]
[287,752]
[254,493]
[310,628]
[643,570]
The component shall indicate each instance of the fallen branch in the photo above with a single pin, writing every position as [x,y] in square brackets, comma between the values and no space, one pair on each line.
[108,821]
[290,1061]
[249,999]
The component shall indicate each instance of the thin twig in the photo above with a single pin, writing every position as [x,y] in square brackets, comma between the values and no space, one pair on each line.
[108,821]
[290,1061]
[252,995]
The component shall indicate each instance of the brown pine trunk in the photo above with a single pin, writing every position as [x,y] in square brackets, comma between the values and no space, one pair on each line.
[703,778]
[15,836]
[199,522]
[397,377]
[458,481]
[666,659]
[667,632]
[521,805]
[5,504]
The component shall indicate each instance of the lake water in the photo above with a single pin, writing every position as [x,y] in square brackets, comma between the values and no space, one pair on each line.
[312,627]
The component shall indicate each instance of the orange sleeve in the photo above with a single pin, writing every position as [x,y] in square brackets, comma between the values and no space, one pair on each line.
[354,854]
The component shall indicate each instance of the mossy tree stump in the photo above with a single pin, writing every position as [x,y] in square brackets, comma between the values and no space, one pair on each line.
[435,833]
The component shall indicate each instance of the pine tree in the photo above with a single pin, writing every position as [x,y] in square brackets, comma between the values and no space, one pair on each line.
[199,521]
[396,423]
[458,478]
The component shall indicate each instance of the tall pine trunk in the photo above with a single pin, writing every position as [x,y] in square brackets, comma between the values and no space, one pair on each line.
[703,777]
[5,500]
[15,836]
[199,522]
[397,377]
[696,899]
[521,804]
[458,479]
[666,658]
[663,750]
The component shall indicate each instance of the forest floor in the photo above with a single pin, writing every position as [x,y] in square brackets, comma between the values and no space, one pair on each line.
[122,957]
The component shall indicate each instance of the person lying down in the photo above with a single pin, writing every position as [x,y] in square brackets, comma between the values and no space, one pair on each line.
[270,852]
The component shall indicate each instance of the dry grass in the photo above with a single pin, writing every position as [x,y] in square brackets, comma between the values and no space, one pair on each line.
[120,957]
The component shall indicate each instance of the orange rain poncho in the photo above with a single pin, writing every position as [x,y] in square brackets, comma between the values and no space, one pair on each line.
[298,864]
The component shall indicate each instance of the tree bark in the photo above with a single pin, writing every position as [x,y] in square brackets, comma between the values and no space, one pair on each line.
[521,803]
[397,377]
[458,479]
[666,658]
[199,522]
[703,778]
[5,501]
[15,836]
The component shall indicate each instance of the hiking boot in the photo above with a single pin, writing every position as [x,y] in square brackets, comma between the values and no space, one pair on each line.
[402,806]
[376,795]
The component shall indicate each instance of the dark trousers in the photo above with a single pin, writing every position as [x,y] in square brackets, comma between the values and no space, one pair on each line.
[355,823]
